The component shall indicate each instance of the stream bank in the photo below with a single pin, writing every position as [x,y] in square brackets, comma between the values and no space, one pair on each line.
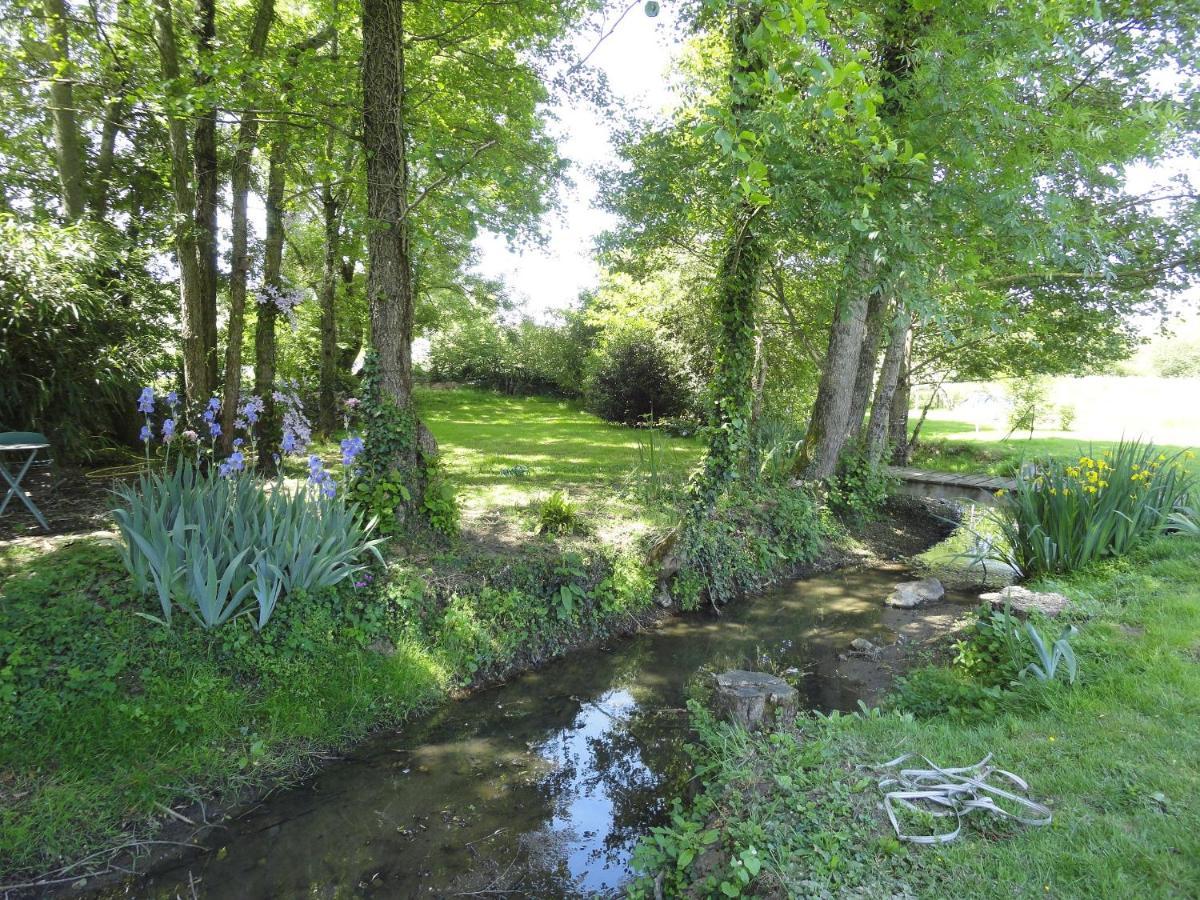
[543,785]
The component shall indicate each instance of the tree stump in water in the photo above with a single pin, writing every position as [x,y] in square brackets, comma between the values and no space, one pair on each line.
[751,699]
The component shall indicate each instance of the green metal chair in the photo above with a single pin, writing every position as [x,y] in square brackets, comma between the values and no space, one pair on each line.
[21,442]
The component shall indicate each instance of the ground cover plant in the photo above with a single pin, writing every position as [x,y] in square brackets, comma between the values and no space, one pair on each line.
[1116,755]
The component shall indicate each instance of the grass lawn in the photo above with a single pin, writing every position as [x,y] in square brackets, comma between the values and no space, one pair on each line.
[1116,756]
[506,453]
[948,445]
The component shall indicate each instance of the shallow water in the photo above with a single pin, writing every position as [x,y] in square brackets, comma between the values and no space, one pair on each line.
[539,787]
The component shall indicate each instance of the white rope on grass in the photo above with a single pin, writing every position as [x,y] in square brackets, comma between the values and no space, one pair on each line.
[958,792]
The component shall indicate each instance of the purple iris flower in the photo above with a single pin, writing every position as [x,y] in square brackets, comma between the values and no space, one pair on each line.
[351,448]
[172,399]
[252,409]
[146,400]
[214,429]
[147,433]
[214,403]
[168,430]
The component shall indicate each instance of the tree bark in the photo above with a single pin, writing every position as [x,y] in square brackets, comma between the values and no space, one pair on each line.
[204,27]
[868,355]
[195,368]
[68,144]
[737,290]
[264,332]
[831,411]
[389,260]
[330,210]
[885,389]
[114,115]
[898,417]
[239,256]
[327,417]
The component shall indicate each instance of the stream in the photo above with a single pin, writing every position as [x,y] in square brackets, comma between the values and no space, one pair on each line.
[540,787]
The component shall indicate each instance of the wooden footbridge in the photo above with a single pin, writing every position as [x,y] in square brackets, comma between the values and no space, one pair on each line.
[949,486]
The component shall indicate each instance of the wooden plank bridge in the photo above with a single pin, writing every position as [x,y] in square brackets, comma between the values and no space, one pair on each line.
[950,486]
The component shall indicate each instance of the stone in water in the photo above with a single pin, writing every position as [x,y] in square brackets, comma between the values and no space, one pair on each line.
[911,594]
[753,698]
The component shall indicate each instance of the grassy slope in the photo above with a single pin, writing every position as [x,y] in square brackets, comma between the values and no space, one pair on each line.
[108,717]
[1117,756]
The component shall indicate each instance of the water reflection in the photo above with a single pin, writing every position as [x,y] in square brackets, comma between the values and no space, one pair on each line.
[538,788]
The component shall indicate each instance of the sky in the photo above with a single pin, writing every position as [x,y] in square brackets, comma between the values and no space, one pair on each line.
[635,58]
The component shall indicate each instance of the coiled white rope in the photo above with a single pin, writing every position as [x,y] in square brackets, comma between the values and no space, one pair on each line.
[956,792]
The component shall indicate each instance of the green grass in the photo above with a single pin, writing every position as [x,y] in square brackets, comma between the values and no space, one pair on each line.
[106,718]
[1117,757]
[950,446]
[506,454]
[555,445]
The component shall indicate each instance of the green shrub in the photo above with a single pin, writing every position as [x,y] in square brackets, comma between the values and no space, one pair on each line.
[380,496]
[1027,397]
[636,377]
[81,330]
[557,514]
[206,544]
[526,358]
[1065,515]
[858,489]
[1066,417]
[750,535]
[441,503]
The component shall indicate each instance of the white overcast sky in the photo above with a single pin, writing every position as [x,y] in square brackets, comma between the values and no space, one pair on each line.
[636,58]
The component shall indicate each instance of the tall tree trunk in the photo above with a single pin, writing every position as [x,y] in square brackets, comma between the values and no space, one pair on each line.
[205,161]
[831,411]
[389,272]
[195,368]
[114,115]
[68,144]
[885,389]
[898,417]
[327,416]
[760,378]
[737,290]
[868,355]
[732,379]
[268,313]
[239,256]
[264,332]
[327,403]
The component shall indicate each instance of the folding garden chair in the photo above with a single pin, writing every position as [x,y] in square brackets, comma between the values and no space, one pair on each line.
[21,442]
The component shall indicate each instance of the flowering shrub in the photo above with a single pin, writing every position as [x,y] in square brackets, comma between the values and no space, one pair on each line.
[209,538]
[284,299]
[1067,514]
[211,543]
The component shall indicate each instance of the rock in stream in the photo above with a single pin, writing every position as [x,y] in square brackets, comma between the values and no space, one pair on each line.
[911,594]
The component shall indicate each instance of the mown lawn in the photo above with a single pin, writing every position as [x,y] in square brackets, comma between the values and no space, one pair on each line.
[1116,756]
[507,453]
[951,446]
